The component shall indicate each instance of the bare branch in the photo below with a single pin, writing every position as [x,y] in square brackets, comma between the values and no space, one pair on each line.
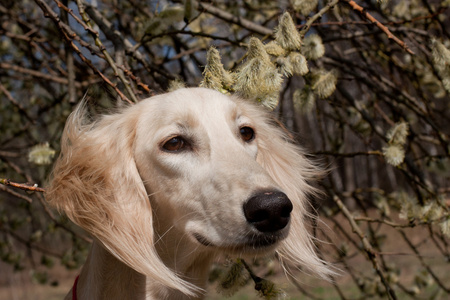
[69,62]
[22,186]
[15,194]
[108,57]
[69,35]
[371,253]
[44,76]
[318,15]
[369,17]
[221,14]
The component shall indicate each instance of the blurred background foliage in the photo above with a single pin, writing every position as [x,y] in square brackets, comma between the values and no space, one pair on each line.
[363,85]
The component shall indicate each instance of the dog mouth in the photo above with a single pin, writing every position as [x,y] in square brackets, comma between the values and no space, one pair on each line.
[256,242]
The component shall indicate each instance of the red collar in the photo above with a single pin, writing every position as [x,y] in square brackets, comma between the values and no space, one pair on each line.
[74,289]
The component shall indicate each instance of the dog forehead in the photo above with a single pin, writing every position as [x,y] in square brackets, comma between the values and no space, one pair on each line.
[193,107]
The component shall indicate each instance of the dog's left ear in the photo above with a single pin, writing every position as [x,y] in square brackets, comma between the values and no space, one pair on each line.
[97,185]
[291,170]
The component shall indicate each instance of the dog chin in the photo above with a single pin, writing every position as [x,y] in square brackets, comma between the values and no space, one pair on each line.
[254,245]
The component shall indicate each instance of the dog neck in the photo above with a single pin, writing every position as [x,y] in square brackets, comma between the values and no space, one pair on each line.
[188,259]
[105,277]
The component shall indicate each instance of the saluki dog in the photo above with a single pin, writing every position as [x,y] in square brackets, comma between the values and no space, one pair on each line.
[166,185]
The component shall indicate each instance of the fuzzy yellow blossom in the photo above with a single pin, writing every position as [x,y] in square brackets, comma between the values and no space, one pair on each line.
[274,49]
[299,63]
[398,133]
[410,208]
[268,290]
[394,152]
[41,154]
[313,47]
[305,7]
[211,81]
[285,66]
[234,278]
[256,49]
[440,54]
[445,227]
[304,99]
[258,78]
[441,59]
[175,85]
[189,10]
[286,34]
[324,83]
[214,75]
[431,211]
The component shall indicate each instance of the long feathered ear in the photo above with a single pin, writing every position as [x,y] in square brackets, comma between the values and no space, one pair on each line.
[291,170]
[97,185]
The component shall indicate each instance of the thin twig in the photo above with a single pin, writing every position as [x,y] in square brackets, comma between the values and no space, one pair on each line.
[342,23]
[15,194]
[27,243]
[371,253]
[69,35]
[422,261]
[22,186]
[318,15]
[377,23]
[108,58]
[15,103]
[43,203]
[352,154]
[397,225]
[226,16]
[40,75]
[119,40]
[148,37]
[69,62]
[136,79]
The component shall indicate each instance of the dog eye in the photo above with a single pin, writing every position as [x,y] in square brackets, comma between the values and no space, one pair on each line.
[247,133]
[174,144]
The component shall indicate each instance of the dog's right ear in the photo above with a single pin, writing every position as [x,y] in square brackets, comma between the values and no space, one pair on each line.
[97,185]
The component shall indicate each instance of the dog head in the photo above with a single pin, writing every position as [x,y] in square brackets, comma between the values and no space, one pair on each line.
[213,167]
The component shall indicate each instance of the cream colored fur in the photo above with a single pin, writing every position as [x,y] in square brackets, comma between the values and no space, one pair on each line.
[145,206]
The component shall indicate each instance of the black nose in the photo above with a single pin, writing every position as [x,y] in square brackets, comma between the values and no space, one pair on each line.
[268,211]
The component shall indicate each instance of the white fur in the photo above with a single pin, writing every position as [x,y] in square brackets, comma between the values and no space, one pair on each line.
[145,206]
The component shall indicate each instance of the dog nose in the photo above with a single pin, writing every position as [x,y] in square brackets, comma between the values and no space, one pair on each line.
[268,211]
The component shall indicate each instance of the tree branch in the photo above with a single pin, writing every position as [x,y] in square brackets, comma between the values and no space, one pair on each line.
[317,16]
[69,62]
[69,35]
[37,74]
[120,41]
[15,194]
[371,253]
[226,16]
[22,186]
[117,72]
[369,17]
